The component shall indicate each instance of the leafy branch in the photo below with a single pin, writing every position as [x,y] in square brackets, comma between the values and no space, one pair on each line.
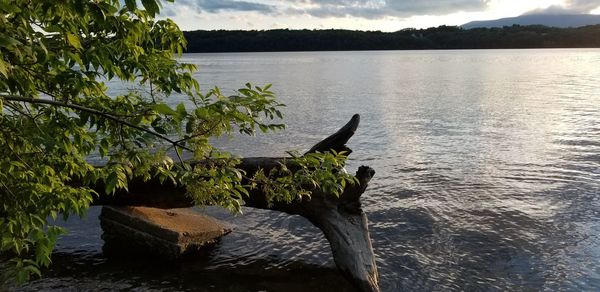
[220,181]
[65,51]
[91,111]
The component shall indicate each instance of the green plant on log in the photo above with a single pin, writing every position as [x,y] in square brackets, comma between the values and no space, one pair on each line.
[55,60]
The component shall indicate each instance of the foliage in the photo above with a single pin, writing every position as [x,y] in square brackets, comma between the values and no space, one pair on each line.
[55,60]
[442,37]
[218,181]
[288,181]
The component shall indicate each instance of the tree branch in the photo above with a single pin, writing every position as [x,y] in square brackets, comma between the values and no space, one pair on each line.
[92,111]
[338,140]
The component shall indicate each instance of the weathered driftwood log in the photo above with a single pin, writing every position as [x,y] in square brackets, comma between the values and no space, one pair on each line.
[342,220]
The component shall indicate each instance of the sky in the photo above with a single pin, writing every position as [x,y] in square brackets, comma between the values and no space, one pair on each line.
[383,15]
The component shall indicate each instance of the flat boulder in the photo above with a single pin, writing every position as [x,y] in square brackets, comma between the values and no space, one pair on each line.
[168,233]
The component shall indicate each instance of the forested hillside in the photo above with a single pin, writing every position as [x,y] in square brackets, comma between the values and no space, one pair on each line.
[442,37]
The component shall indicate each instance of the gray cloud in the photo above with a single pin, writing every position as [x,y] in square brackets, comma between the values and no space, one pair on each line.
[382,8]
[369,9]
[583,5]
[570,7]
[168,11]
[215,6]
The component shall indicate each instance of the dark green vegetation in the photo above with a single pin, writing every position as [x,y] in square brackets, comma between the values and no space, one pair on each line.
[443,37]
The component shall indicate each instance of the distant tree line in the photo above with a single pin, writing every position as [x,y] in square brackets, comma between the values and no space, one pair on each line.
[442,37]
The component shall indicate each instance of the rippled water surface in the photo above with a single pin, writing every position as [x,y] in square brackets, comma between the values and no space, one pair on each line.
[488,176]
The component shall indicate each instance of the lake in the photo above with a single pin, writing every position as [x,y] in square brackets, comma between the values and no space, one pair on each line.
[488,176]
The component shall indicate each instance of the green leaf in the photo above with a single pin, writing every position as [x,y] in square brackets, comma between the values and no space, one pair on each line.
[151,7]
[73,40]
[3,68]
[9,8]
[111,183]
[131,5]
[8,42]
[164,109]
[181,110]
[160,130]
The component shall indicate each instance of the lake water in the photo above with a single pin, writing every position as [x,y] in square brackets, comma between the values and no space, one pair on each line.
[488,176]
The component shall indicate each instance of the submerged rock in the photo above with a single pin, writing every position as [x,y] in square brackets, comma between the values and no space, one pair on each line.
[169,233]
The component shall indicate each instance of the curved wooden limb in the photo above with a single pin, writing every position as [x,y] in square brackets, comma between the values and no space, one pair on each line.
[344,224]
[337,141]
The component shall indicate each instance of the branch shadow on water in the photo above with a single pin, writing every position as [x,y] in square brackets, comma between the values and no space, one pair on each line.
[120,271]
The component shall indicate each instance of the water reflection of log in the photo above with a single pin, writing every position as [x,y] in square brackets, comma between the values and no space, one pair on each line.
[342,220]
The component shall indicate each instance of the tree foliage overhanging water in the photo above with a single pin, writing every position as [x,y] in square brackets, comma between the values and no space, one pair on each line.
[56,112]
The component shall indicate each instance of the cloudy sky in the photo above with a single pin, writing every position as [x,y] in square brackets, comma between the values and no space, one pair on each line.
[385,15]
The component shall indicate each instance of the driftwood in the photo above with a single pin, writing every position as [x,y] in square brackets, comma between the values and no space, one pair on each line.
[341,220]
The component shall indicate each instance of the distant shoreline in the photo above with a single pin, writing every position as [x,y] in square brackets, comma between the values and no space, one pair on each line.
[439,38]
[392,50]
